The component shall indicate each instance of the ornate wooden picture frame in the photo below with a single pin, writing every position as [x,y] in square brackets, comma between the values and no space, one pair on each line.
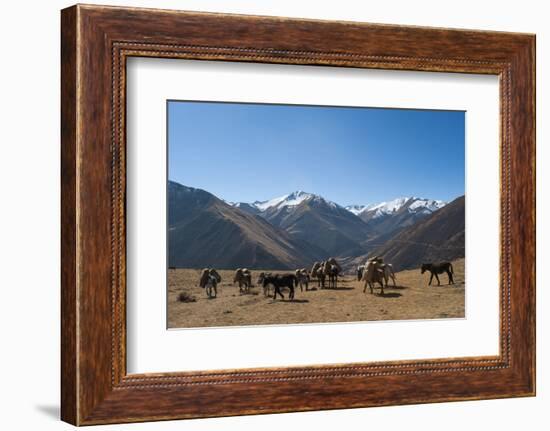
[96,42]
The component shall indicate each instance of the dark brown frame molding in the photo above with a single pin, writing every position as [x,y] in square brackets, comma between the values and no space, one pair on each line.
[95,43]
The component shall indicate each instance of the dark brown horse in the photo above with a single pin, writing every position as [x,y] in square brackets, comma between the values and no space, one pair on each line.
[438,268]
[280,281]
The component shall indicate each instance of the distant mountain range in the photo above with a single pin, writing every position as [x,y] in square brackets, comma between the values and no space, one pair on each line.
[439,237]
[387,217]
[311,218]
[285,232]
[204,231]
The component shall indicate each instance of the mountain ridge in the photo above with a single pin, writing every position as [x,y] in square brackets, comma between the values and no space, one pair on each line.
[438,237]
[289,231]
[203,231]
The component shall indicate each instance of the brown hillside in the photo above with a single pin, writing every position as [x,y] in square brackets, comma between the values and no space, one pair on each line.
[439,237]
[205,231]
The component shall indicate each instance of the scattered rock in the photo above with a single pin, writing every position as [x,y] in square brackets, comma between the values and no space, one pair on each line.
[186,297]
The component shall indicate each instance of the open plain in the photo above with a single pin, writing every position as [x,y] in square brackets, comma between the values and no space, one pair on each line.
[411,298]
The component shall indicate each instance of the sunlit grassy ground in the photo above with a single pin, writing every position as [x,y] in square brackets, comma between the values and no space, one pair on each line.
[411,299]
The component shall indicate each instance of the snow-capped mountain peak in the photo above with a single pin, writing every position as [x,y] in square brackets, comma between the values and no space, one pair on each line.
[413,205]
[389,207]
[356,209]
[428,204]
[290,200]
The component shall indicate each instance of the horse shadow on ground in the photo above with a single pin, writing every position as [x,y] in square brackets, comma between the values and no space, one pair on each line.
[397,287]
[290,301]
[332,289]
[389,295]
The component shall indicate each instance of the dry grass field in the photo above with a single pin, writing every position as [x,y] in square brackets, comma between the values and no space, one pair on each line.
[411,299]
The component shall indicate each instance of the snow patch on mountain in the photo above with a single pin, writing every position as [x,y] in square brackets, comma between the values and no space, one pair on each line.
[290,200]
[428,204]
[389,207]
[356,209]
[413,204]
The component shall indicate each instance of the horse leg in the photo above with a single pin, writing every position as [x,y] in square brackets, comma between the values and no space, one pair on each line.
[437,277]
[451,281]
[365,287]
[431,278]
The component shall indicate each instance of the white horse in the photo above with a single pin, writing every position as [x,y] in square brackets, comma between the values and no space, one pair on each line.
[302,279]
[373,273]
[386,267]
[389,273]
[209,282]
[244,278]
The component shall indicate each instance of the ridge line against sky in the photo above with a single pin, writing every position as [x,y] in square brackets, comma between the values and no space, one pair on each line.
[248,152]
[311,193]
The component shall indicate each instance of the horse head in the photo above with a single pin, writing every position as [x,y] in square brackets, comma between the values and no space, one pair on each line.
[215,274]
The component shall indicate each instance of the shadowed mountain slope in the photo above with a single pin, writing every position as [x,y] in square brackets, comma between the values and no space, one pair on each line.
[205,231]
[438,237]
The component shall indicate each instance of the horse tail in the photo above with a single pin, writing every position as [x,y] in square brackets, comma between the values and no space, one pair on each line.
[451,268]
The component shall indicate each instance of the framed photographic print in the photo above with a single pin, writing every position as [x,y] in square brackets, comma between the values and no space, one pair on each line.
[269,215]
[310,243]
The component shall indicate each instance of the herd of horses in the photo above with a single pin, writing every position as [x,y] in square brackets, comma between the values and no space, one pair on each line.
[374,271]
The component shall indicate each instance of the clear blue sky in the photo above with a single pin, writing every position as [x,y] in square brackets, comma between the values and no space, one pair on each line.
[248,152]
